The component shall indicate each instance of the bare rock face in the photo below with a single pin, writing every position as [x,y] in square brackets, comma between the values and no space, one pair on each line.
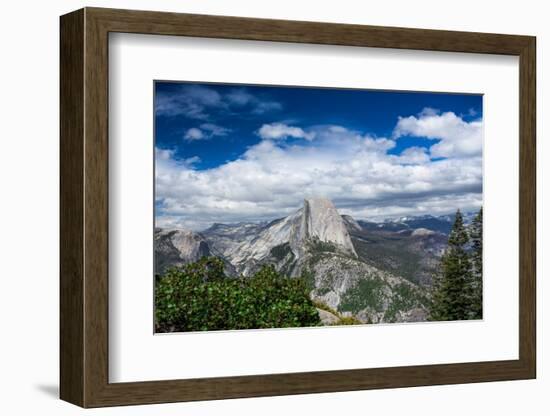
[355,288]
[416,315]
[258,248]
[178,247]
[351,223]
[246,247]
[327,318]
[320,221]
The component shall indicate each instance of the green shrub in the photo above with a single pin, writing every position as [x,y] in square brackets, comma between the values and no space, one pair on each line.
[348,320]
[367,293]
[404,297]
[199,297]
[323,306]
[281,251]
[342,320]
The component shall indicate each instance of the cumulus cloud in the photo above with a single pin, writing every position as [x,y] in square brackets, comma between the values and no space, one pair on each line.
[163,154]
[166,159]
[276,131]
[193,134]
[199,102]
[414,155]
[456,137]
[355,170]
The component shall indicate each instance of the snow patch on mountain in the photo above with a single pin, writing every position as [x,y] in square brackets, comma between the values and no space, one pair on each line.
[421,232]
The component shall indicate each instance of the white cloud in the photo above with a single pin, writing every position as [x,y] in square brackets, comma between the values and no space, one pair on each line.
[276,131]
[272,178]
[240,97]
[215,130]
[414,155]
[206,131]
[457,138]
[193,134]
[163,154]
[429,111]
[166,159]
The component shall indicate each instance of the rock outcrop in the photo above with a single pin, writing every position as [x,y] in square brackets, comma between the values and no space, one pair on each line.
[178,247]
[327,318]
[317,221]
[320,221]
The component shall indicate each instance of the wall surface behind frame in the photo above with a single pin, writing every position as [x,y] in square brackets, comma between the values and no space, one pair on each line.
[29,208]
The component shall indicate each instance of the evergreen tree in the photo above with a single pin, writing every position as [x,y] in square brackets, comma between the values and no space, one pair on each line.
[452,295]
[476,235]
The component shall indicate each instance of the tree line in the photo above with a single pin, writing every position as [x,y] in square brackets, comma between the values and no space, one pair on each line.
[458,289]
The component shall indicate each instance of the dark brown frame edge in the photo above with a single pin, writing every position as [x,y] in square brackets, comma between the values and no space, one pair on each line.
[84,207]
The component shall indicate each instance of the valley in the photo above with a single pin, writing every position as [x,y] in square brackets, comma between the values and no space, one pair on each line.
[371,272]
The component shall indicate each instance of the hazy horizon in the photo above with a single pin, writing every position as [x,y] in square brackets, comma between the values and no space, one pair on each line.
[267,221]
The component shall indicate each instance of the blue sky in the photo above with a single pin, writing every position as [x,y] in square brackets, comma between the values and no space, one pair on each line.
[229,153]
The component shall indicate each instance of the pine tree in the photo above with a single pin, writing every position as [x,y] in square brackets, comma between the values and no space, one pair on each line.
[476,235]
[452,294]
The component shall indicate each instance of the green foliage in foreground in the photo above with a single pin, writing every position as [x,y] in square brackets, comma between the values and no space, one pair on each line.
[199,297]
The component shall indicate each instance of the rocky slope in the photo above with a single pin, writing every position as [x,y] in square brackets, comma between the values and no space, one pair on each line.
[375,274]
[282,241]
[355,288]
[320,221]
[178,247]
[410,253]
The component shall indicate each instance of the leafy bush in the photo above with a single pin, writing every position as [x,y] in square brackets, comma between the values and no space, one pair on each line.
[199,297]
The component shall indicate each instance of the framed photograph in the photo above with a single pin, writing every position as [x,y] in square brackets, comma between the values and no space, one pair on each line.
[255,207]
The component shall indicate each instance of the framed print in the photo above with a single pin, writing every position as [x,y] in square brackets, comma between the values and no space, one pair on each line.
[261,207]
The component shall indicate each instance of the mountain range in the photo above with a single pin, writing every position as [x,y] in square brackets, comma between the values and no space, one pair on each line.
[373,271]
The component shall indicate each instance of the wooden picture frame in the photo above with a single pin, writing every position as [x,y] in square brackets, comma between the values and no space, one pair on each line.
[84,207]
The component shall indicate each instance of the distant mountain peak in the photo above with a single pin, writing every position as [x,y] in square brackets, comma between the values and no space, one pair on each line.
[352,223]
[321,221]
[319,200]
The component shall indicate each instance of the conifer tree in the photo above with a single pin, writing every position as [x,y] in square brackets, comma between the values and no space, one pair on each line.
[476,236]
[452,295]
